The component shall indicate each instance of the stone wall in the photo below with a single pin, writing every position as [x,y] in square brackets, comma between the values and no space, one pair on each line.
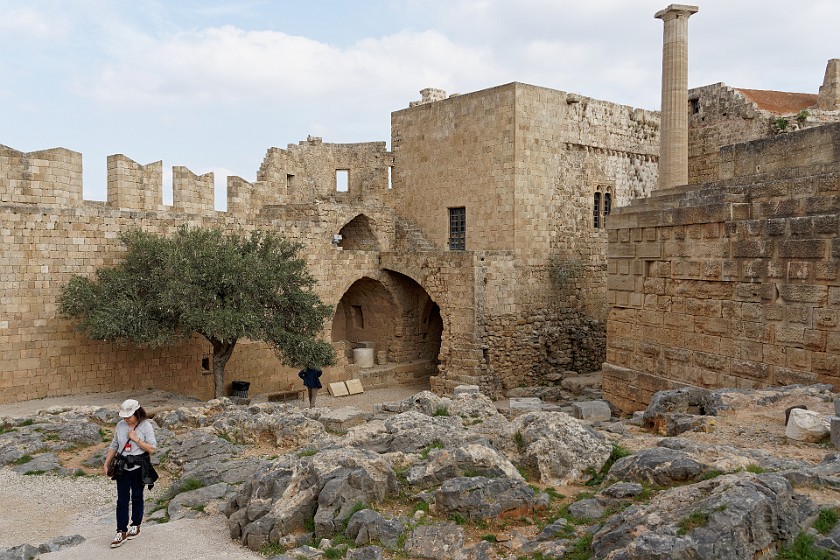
[721,116]
[525,162]
[49,234]
[732,283]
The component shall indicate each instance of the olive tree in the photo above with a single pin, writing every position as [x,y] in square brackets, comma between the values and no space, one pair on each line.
[224,286]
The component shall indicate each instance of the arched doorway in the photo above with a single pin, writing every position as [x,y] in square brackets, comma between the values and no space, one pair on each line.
[395,316]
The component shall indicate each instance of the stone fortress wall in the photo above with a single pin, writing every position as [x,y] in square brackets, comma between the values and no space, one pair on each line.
[525,162]
[733,281]
[525,301]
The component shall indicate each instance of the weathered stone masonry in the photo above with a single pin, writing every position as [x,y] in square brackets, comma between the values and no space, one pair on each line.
[732,283]
[527,297]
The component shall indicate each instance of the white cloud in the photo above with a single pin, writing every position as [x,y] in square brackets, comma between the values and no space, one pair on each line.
[231,65]
[29,23]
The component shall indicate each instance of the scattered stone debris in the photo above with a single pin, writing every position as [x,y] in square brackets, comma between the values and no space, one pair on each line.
[440,477]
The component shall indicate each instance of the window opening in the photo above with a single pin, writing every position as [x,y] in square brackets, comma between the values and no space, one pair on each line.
[607,205]
[457,229]
[390,172]
[596,210]
[289,181]
[342,180]
[695,106]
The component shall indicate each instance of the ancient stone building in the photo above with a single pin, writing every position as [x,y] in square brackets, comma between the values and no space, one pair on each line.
[474,251]
[732,280]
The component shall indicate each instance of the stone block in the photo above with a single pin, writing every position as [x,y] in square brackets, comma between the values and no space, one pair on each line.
[592,411]
[466,390]
[835,430]
[338,389]
[525,403]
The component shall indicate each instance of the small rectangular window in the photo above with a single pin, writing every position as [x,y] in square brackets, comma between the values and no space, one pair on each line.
[342,180]
[289,181]
[596,210]
[457,229]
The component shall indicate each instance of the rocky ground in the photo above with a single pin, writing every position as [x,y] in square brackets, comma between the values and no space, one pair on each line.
[706,475]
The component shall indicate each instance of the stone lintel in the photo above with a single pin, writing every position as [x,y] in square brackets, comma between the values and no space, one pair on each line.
[675,10]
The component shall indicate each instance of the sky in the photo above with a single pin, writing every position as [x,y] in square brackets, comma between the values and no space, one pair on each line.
[212,84]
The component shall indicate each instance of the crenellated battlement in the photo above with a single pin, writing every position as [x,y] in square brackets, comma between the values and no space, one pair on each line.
[132,186]
[302,173]
[48,177]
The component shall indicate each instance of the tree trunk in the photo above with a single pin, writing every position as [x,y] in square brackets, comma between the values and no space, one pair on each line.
[221,354]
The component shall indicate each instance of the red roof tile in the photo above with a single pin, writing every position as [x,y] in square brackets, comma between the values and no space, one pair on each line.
[779,102]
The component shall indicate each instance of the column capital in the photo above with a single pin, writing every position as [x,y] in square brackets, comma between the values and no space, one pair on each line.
[676,10]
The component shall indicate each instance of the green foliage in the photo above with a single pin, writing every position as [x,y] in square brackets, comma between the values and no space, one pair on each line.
[191,484]
[223,286]
[709,475]
[458,518]
[22,460]
[29,473]
[617,452]
[803,549]
[436,444]
[421,505]
[802,116]
[528,472]
[519,440]
[693,521]
[104,435]
[553,493]
[272,549]
[307,453]
[441,411]
[781,123]
[490,538]
[6,429]
[309,525]
[826,520]
[334,552]
[199,508]
[755,469]
[27,422]
[581,549]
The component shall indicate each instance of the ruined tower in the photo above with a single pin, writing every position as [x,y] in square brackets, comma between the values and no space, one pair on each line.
[673,151]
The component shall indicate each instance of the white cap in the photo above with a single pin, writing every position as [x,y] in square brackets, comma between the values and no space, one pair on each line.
[128,408]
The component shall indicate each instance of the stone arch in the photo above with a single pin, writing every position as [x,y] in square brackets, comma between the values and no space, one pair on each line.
[396,317]
[358,235]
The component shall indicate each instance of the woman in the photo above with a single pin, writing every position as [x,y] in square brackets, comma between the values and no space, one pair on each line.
[310,377]
[134,438]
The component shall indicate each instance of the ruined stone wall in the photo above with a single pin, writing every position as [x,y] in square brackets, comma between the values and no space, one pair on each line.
[306,171]
[733,283]
[721,116]
[49,234]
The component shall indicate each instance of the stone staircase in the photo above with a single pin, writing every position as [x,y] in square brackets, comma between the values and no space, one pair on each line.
[411,238]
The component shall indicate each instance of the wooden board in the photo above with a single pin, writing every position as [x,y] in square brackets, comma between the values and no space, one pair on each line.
[338,389]
[354,386]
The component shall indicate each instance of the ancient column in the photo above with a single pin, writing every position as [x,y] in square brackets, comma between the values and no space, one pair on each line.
[673,146]
[829,99]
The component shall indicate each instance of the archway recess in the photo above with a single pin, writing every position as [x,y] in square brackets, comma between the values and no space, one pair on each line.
[395,317]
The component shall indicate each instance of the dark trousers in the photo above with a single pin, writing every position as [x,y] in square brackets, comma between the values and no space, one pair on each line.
[130,488]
